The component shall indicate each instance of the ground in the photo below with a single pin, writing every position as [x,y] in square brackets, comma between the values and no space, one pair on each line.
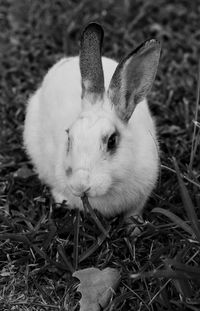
[160,269]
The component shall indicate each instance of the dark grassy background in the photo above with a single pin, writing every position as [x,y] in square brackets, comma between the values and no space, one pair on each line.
[36,247]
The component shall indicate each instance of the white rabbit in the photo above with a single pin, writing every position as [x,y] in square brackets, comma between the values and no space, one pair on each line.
[88,129]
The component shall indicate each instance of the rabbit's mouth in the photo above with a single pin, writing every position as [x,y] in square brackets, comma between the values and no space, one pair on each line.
[80,192]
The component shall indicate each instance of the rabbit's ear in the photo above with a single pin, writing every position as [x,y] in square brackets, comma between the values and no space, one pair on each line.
[133,78]
[91,63]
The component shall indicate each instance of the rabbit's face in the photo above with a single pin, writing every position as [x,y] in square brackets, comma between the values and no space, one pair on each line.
[92,147]
[101,149]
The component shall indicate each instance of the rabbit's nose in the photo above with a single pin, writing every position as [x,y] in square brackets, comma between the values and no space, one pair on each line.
[80,182]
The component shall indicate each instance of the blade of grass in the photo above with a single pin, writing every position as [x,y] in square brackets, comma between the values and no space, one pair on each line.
[51,235]
[187,202]
[93,248]
[179,266]
[119,300]
[88,207]
[197,140]
[175,219]
[18,237]
[34,304]
[41,290]
[182,286]
[196,123]
[138,296]
[166,273]
[183,176]
[64,257]
[159,292]
[7,221]
[185,305]
[43,255]
[76,236]
[192,153]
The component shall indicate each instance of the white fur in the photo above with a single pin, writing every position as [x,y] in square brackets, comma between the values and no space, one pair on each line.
[119,183]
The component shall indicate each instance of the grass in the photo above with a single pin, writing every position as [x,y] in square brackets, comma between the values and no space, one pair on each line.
[41,244]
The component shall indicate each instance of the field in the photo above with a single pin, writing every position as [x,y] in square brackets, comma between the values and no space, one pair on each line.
[160,270]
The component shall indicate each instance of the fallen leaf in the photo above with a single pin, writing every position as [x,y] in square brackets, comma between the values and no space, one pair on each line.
[96,287]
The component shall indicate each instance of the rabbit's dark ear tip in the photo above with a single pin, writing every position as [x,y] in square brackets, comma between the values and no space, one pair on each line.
[147,45]
[152,42]
[93,27]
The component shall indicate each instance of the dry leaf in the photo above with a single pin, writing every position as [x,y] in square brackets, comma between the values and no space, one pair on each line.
[96,287]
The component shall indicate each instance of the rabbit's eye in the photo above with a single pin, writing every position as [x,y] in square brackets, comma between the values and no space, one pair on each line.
[112,142]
